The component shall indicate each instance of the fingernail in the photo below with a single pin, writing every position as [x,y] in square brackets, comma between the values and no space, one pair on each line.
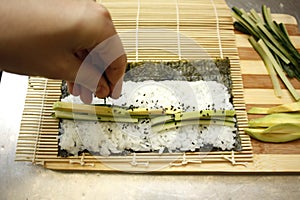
[102,92]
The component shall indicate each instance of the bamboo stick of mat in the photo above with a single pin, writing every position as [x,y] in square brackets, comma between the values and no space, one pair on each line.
[150,30]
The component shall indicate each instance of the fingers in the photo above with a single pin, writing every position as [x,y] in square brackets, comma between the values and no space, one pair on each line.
[116,89]
[86,95]
[103,89]
[70,86]
[89,79]
[109,56]
[73,88]
[114,74]
[102,58]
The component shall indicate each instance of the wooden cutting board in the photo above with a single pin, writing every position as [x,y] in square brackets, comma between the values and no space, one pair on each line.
[258,90]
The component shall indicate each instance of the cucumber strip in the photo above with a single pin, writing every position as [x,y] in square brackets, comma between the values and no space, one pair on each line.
[162,119]
[274,35]
[269,66]
[91,117]
[145,111]
[279,71]
[281,34]
[109,110]
[167,119]
[91,109]
[266,14]
[276,46]
[245,24]
[225,115]
[276,51]
[176,125]
[255,15]
[285,38]
[288,40]
[239,26]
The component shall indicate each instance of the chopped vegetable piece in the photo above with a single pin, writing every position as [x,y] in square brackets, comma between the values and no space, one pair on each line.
[220,115]
[276,118]
[109,110]
[278,133]
[172,125]
[258,111]
[159,117]
[91,117]
[278,48]
[269,66]
[289,107]
[92,109]
[145,111]
[279,71]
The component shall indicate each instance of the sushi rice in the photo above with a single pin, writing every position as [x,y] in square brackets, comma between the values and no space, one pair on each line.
[107,138]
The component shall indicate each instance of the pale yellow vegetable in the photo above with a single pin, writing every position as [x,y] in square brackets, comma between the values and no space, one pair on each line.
[273,119]
[279,133]
[289,107]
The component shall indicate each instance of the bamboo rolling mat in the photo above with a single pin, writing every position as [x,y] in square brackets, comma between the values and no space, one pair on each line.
[155,30]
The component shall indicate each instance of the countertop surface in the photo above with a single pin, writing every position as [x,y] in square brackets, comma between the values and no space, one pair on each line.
[20,180]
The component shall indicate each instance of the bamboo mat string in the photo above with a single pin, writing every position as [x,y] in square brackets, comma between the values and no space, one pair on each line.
[218,27]
[178,30]
[39,121]
[137,31]
[195,22]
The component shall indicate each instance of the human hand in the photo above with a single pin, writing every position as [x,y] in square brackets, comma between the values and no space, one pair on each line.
[59,39]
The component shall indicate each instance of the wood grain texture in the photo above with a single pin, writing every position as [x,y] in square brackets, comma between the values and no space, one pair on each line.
[264,81]
[258,87]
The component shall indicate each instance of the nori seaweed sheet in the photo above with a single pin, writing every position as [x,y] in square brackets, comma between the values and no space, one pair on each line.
[195,70]
[185,70]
